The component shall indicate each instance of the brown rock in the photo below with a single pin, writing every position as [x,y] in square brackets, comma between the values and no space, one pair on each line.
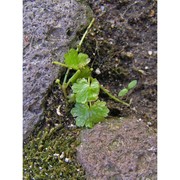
[119,149]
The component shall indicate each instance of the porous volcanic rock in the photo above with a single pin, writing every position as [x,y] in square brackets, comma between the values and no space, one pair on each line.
[119,150]
[49,29]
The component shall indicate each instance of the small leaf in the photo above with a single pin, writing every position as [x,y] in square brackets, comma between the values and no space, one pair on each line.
[86,91]
[89,116]
[74,60]
[123,92]
[132,84]
[81,112]
[98,111]
[71,59]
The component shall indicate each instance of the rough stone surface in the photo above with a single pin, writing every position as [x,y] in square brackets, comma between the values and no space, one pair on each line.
[119,150]
[50,28]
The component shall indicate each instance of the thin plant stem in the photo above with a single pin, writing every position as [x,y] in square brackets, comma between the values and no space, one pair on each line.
[73,78]
[60,64]
[113,97]
[84,35]
[64,90]
[64,85]
[66,75]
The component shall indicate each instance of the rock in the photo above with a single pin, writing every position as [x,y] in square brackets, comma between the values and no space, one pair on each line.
[50,28]
[119,149]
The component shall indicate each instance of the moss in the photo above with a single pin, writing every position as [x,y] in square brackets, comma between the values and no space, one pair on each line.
[51,154]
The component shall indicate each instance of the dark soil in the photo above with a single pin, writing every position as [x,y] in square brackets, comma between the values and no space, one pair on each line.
[122,45]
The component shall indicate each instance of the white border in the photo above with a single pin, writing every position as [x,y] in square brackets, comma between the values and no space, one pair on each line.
[168,90]
[11,89]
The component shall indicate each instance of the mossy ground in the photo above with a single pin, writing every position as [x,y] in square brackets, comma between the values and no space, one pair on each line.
[52,155]
[50,152]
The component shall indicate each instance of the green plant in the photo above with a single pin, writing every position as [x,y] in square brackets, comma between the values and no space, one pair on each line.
[85,89]
[130,86]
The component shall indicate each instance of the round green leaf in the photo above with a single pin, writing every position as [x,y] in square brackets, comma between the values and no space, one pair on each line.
[76,61]
[89,115]
[85,91]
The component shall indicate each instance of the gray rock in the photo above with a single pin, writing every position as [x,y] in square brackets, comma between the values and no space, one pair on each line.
[50,28]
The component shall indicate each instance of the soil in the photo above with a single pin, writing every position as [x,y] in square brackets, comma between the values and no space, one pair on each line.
[122,45]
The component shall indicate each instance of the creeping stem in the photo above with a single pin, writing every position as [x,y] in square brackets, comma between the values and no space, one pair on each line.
[113,97]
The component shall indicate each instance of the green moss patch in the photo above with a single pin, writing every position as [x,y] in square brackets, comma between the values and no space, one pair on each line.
[52,155]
